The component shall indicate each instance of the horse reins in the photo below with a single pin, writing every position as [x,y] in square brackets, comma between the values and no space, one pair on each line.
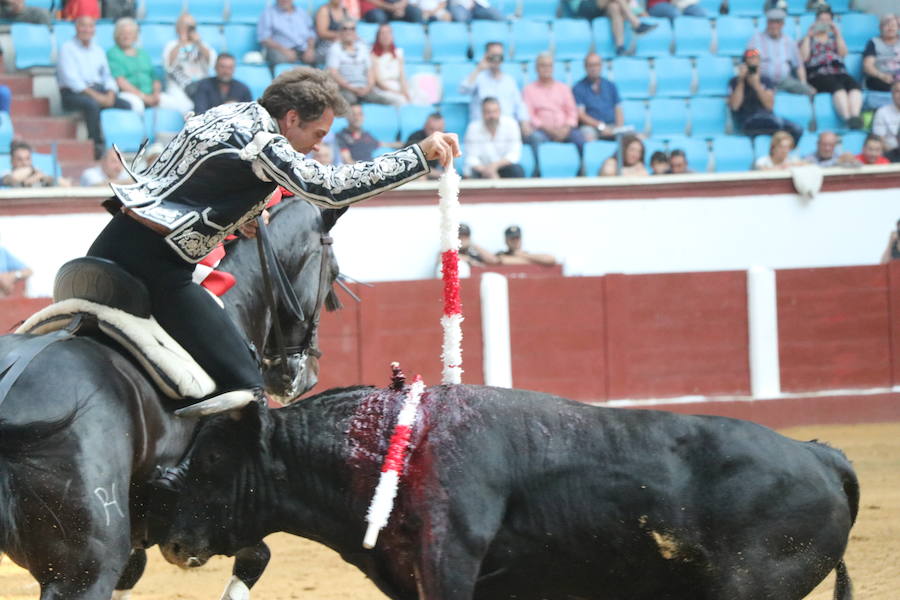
[269,263]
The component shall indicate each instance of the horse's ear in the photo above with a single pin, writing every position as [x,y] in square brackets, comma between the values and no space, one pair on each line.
[331,215]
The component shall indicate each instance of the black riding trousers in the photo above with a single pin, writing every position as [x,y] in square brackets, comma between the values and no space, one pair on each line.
[185,310]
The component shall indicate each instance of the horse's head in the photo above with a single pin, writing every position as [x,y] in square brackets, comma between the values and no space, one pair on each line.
[290,351]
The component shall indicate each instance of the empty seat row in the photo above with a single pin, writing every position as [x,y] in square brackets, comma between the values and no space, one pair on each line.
[128,129]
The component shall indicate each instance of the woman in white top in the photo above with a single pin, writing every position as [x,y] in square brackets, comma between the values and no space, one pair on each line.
[187,59]
[779,156]
[387,63]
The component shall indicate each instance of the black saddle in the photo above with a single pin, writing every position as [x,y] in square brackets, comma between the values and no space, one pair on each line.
[104,282]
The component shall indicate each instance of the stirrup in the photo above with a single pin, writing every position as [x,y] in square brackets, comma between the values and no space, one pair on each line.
[218,404]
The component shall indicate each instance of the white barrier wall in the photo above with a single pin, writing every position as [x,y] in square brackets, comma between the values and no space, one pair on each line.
[590,237]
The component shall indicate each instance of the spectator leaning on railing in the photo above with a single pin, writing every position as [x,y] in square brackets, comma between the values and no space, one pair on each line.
[24,174]
[779,156]
[825,155]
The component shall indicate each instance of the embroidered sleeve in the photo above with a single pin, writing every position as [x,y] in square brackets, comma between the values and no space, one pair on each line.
[329,185]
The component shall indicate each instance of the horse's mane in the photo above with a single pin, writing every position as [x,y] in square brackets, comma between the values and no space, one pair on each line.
[26,439]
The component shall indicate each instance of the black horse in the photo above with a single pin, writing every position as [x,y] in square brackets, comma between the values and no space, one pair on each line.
[83,429]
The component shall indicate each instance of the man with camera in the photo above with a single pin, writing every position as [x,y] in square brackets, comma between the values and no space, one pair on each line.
[751,98]
[488,80]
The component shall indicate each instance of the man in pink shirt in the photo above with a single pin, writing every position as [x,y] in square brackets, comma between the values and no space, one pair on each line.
[551,107]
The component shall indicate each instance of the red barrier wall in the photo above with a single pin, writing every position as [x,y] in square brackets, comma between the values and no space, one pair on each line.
[893,270]
[834,328]
[14,310]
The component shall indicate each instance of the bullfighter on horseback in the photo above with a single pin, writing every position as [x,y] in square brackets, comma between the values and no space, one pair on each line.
[214,178]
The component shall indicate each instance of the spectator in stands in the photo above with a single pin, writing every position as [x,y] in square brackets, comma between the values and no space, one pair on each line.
[133,70]
[17,12]
[671,10]
[433,10]
[355,143]
[659,163]
[24,174]
[382,11]
[329,18]
[388,67]
[618,12]
[117,9]
[599,105]
[781,62]
[514,255]
[12,271]
[324,154]
[222,88]
[892,252]
[779,156]
[551,107]
[489,80]
[85,81]
[751,97]
[473,253]
[886,122]
[465,11]
[434,122]
[881,62]
[350,63]
[873,151]
[678,164]
[493,144]
[109,170]
[187,59]
[286,34]
[632,159]
[822,49]
[825,155]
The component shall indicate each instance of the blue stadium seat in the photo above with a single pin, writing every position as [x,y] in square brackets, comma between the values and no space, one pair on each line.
[484,31]
[657,42]
[46,163]
[382,121]
[124,128]
[456,117]
[603,40]
[572,39]
[539,9]
[853,61]
[695,149]
[761,144]
[527,160]
[366,32]
[711,7]
[412,118]
[339,124]
[803,24]
[635,113]
[632,77]
[529,38]
[674,77]
[282,67]
[45,4]
[517,71]
[839,6]
[651,145]
[826,118]
[693,36]
[63,31]
[246,11]
[558,159]
[595,153]
[796,7]
[577,71]
[852,141]
[33,45]
[807,145]
[240,39]
[410,37]
[732,153]
[794,107]
[733,33]
[162,11]
[103,34]
[713,75]
[6,131]
[709,116]
[256,77]
[212,36]
[162,120]
[381,150]
[748,8]
[154,37]
[452,74]
[667,116]
[858,29]
[207,11]
[449,41]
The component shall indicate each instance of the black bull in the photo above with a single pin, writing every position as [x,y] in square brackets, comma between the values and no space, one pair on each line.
[83,429]
[515,494]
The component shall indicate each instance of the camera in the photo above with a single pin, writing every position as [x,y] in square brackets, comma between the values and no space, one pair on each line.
[821,27]
[752,69]
[192,28]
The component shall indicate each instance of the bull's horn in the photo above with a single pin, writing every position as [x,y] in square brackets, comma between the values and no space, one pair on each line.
[217,404]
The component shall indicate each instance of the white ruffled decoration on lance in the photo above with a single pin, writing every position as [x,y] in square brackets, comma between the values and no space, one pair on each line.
[451,321]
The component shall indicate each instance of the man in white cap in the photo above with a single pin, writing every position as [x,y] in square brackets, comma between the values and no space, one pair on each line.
[781,61]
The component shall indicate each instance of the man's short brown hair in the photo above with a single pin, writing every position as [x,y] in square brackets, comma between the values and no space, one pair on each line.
[308,91]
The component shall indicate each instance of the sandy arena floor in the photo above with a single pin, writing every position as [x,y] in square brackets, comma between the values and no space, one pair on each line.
[306,570]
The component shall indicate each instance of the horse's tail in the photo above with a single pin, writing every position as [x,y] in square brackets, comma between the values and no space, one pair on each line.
[19,443]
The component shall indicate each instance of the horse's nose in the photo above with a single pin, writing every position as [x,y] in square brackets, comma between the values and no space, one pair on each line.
[193,561]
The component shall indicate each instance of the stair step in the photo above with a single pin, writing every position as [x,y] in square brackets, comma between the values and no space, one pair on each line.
[34,129]
[29,106]
[17,84]
[68,150]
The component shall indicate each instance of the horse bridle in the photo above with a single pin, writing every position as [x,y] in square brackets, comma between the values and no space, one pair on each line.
[269,264]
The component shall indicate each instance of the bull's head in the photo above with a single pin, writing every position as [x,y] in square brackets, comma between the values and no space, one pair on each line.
[231,475]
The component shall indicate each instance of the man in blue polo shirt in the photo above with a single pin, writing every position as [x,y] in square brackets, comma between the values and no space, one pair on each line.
[598,102]
[12,270]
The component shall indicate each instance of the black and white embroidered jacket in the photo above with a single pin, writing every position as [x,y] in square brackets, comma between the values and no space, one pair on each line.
[219,171]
